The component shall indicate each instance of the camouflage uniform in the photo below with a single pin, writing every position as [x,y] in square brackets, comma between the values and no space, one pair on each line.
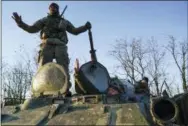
[54,40]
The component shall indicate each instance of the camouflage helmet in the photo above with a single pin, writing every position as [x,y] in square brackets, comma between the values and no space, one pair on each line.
[146,79]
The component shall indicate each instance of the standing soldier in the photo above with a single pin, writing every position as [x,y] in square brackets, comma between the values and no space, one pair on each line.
[53,35]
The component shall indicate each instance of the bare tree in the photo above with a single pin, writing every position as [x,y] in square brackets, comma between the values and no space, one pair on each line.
[142,52]
[139,59]
[179,52]
[16,79]
[156,68]
[131,57]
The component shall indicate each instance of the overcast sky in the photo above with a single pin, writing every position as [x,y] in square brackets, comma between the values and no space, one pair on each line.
[110,20]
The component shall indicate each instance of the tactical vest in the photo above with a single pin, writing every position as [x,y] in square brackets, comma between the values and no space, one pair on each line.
[51,28]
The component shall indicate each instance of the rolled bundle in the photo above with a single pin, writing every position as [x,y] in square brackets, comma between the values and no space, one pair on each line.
[50,77]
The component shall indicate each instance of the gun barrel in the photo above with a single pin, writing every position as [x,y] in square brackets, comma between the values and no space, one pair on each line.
[164,110]
[64,10]
[92,51]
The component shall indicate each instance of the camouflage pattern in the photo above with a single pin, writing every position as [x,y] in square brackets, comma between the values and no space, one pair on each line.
[52,29]
[87,110]
[60,53]
[75,111]
[54,39]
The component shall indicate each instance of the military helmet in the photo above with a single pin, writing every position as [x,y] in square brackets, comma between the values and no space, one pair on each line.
[54,5]
[146,79]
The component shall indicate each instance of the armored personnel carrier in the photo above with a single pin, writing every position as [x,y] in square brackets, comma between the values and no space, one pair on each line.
[100,100]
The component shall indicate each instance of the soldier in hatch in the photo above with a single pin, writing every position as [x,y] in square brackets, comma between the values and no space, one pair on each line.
[53,35]
[142,86]
[142,91]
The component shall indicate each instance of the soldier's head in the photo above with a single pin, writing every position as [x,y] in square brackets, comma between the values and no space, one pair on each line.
[144,83]
[145,79]
[54,9]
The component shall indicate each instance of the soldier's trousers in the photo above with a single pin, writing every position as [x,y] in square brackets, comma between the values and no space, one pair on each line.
[48,52]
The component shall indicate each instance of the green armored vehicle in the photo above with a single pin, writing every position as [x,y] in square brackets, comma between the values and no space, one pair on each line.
[100,100]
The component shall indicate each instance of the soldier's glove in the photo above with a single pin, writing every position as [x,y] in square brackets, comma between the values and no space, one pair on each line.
[17,18]
[88,25]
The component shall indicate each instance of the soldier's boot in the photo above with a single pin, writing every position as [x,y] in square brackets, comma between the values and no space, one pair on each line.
[68,94]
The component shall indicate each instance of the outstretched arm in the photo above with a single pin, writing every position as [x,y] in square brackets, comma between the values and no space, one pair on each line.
[75,31]
[36,27]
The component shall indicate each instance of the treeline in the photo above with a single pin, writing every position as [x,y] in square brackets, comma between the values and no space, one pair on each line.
[138,58]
